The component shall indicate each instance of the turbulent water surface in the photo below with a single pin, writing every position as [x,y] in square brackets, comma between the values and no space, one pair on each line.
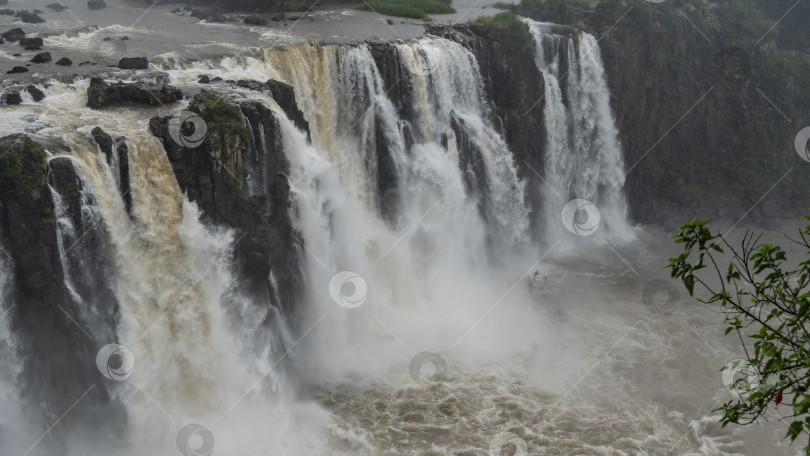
[591,370]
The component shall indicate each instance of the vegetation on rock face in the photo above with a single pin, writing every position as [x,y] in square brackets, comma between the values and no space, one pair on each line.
[708,98]
[415,9]
[511,32]
[767,305]
[223,120]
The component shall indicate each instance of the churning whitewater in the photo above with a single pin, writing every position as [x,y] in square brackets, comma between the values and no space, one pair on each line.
[416,333]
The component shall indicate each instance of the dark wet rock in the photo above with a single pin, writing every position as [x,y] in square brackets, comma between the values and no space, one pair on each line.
[64,61]
[133,63]
[96,4]
[116,152]
[216,79]
[6,12]
[43,57]
[30,41]
[254,20]
[107,38]
[124,38]
[56,6]
[176,11]
[203,79]
[12,97]
[86,62]
[277,17]
[29,18]
[17,70]
[101,94]
[13,35]
[36,94]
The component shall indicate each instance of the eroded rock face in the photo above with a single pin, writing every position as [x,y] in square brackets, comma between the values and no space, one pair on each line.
[117,153]
[60,366]
[101,94]
[284,96]
[213,175]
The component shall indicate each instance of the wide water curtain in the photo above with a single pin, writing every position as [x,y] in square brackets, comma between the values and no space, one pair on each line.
[583,156]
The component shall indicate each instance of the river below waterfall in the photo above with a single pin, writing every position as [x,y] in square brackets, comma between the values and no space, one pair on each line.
[417,333]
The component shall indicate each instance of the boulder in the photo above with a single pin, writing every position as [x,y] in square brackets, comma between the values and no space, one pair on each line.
[133,63]
[101,94]
[56,7]
[36,94]
[30,41]
[15,34]
[17,69]
[96,4]
[29,18]
[203,79]
[43,57]
[12,97]
[64,61]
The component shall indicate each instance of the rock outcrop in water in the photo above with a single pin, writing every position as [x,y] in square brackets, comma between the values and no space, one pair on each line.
[101,94]
[61,366]
[212,175]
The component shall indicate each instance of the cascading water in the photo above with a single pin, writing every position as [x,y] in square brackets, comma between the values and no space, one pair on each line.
[417,197]
[583,157]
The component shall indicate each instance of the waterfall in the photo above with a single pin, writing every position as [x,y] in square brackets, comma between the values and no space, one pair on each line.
[583,158]
[405,184]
